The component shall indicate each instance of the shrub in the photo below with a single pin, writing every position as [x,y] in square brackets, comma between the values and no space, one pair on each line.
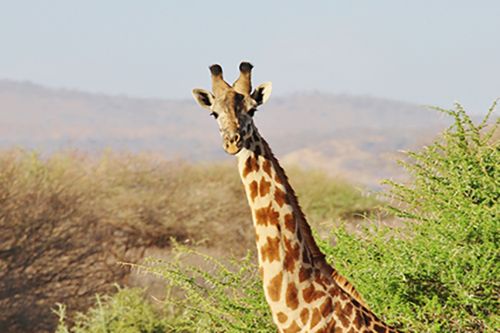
[125,312]
[217,296]
[439,273]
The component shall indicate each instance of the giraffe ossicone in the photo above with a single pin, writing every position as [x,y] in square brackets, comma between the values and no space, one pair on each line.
[304,293]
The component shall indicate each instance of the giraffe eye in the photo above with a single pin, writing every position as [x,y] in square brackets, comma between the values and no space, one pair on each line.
[215,115]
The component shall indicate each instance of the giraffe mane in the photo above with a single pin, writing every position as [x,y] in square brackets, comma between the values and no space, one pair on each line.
[348,287]
[306,232]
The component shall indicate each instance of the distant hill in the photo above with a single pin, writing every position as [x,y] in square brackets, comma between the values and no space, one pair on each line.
[356,137]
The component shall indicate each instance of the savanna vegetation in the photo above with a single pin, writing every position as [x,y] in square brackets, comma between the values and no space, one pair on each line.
[67,220]
[437,272]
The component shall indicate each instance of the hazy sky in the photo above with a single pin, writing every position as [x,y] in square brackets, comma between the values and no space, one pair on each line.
[428,52]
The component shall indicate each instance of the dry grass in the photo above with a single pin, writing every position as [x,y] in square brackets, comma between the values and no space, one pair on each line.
[67,220]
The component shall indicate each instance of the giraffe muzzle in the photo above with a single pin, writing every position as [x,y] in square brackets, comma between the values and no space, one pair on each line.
[232,143]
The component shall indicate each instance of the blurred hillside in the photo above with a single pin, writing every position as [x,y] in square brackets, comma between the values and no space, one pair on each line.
[355,137]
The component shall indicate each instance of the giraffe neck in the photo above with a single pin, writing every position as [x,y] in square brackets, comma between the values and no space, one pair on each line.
[305,294]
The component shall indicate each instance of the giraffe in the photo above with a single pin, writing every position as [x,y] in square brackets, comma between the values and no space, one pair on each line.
[304,293]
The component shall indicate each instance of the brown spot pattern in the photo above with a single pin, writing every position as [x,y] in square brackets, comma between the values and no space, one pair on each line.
[316,317]
[321,280]
[304,274]
[280,197]
[340,315]
[253,190]
[334,292]
[310,294]
[324,330]
[290,222]
[266,215]
[266,166]
[292,254]
[250,166]
[348,309]
[291,296]
[379,329]
[304,316]
[270,250]
[358,320]
[331,326]
[326,307]
[367,318]
[282,317]
[274,287]
[264,187]
[293,328]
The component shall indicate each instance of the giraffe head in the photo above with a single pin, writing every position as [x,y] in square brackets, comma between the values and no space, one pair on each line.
[233,106]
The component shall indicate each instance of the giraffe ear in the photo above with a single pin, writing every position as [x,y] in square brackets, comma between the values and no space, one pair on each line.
[262,93]
[204,98]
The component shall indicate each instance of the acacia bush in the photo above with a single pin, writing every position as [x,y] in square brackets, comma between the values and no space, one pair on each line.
[440,273]
[126,312]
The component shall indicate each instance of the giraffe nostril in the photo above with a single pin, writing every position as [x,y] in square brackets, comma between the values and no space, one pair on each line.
[236,138]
